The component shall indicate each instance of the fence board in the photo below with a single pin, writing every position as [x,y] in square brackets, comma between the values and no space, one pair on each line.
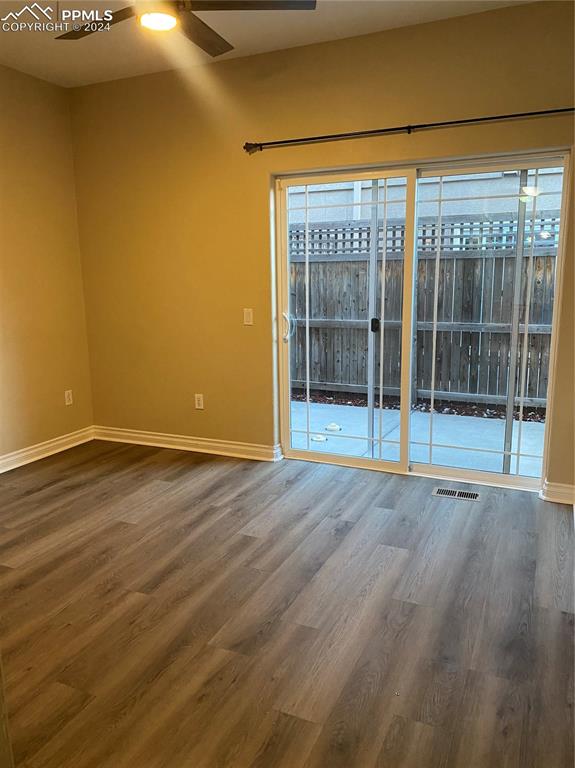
[475,289]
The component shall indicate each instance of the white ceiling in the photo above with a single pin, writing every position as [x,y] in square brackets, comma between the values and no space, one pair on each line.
[127,50]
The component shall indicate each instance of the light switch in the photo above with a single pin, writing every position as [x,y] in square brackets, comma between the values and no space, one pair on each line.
[248,316]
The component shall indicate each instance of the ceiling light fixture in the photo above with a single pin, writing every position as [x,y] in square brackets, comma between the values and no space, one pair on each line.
[158,22]
[530,191]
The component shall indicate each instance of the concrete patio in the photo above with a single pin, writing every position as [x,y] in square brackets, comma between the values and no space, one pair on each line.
[465,432]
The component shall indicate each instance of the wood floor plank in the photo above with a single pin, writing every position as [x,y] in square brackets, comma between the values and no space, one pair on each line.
[242,725]
[108,732]
[223,723]
[411,744]
[554,582]
[506,645]
[6,752]
[340,580]
[353,733]
[164,609]
[436,694]
[290,529]
[492,725]
[31,596]
[50,711]
[248,631]
[440,530]
[39,661]
[548,734]
[313,691]
[288,743]
[158,632]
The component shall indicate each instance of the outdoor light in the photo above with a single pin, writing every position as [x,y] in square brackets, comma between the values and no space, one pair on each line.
[159,22]
[530,191]
[545,235]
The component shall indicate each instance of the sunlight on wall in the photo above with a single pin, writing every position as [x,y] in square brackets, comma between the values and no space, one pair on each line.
[204,82]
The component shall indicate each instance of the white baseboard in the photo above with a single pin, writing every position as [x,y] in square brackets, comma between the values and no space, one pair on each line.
[187,443]
[41,450]
[558,492]
[137,437]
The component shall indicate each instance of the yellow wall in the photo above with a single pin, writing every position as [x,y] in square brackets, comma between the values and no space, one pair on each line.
[43,345]
[174,217]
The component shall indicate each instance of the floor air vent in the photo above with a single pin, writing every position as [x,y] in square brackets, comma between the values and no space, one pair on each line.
[445,492]
[451,493]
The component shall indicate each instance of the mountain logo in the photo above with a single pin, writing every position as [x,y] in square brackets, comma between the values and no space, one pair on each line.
[35,10]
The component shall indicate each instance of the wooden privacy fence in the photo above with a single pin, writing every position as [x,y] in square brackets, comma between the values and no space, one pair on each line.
[474,311]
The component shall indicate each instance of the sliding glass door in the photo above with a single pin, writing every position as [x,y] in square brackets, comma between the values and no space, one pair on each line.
[487,247]
[417,316]
[343,319]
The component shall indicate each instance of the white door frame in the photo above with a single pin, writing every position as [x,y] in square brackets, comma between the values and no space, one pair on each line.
[411,171]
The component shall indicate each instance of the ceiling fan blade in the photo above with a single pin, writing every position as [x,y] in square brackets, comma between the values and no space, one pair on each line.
[252,5]
[84,31]
[203,36]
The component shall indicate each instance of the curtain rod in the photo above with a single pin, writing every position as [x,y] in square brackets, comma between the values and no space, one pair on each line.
[251,147]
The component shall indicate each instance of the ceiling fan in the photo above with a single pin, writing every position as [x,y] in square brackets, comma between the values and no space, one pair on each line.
[182,12]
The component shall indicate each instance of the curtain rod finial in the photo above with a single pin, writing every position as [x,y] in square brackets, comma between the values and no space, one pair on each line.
[251,147]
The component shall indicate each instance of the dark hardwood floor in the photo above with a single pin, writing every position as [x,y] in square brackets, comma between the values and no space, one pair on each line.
[162,609]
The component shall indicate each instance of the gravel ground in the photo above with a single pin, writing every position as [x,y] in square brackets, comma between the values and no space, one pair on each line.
[456,408]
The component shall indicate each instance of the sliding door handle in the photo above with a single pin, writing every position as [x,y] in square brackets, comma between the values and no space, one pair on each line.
[287,333]
[291,326]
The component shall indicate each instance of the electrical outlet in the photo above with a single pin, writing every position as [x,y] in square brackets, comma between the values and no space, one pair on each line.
[248,316]
[68,397]
[199,400]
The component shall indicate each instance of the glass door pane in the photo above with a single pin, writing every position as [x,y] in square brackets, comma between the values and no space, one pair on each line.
[542,199]
[345,274]
[388,310]
[486,253]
